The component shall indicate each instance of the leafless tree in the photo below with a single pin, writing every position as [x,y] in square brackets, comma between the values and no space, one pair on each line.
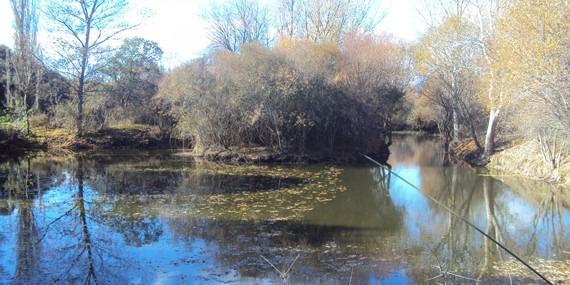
[85,27]
[289,13]
[236,23]
[27,70]
[328,20]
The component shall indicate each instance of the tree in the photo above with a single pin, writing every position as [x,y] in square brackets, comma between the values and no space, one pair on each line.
[6,69]
[85,28]
[289,22]
[327,20]
[532,44]
[236,23]
[375,69]
[134,73]
[27,70]
[449,56]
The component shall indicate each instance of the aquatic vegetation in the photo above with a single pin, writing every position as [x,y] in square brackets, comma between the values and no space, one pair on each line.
[289,202]
[557,271]
[147,213]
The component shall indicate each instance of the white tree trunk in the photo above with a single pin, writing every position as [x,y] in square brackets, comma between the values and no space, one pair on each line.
[455,125]
[491,132]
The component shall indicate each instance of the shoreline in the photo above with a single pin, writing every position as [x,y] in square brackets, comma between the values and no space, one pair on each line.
[522,160]
[146,139]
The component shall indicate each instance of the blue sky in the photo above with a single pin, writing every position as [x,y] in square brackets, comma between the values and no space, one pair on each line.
[182,34]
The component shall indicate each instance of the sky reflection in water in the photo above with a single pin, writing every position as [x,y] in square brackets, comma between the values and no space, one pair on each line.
[116,219]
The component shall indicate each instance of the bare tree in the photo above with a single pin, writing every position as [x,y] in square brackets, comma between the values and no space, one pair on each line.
[7,77]
[434,12]
[236,23]
[327,20]
[27,70]
[85,28]
[289,13]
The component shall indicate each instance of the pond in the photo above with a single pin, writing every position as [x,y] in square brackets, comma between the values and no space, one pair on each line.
[164,218]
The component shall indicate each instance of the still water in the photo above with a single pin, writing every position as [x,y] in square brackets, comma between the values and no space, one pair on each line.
[163,218]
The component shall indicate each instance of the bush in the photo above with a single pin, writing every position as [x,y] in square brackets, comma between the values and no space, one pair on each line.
[299,97]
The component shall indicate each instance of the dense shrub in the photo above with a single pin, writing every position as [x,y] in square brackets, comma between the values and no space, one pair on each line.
[299,96]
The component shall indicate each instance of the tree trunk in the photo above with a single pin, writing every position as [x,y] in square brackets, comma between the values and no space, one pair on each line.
[491,132]
[38,79]
[474,136]
[455,125]
[81,88]
[9,103]
[80,107]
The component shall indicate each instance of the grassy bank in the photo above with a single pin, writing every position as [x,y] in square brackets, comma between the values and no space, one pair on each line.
[141,137]
[525,159]
[515,159]
[120,136]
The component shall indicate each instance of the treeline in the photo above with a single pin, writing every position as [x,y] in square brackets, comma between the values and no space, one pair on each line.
[497,71]
[122,94]
[85,83]
[318,82]
[312,77]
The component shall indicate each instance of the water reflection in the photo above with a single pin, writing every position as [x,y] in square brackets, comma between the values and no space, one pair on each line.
[124,218]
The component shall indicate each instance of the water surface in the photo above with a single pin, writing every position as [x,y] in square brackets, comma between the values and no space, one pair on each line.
[163,218]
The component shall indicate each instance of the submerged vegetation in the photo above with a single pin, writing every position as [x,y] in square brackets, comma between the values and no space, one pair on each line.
[310,81]
[267,193]
[213,222]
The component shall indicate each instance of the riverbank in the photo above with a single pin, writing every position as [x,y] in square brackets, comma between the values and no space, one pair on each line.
[525,160]
[142,137]
[117,137]
[514,159]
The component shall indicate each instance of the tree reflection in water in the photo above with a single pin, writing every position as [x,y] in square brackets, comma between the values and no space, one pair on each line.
[121,219]
[507,216]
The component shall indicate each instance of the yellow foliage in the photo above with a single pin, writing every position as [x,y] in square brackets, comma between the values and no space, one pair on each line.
[524,54]
[442,45]
[310,56]
[531,42]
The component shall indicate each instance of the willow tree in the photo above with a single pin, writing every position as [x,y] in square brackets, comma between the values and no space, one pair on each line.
[84,29]
[375,70]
